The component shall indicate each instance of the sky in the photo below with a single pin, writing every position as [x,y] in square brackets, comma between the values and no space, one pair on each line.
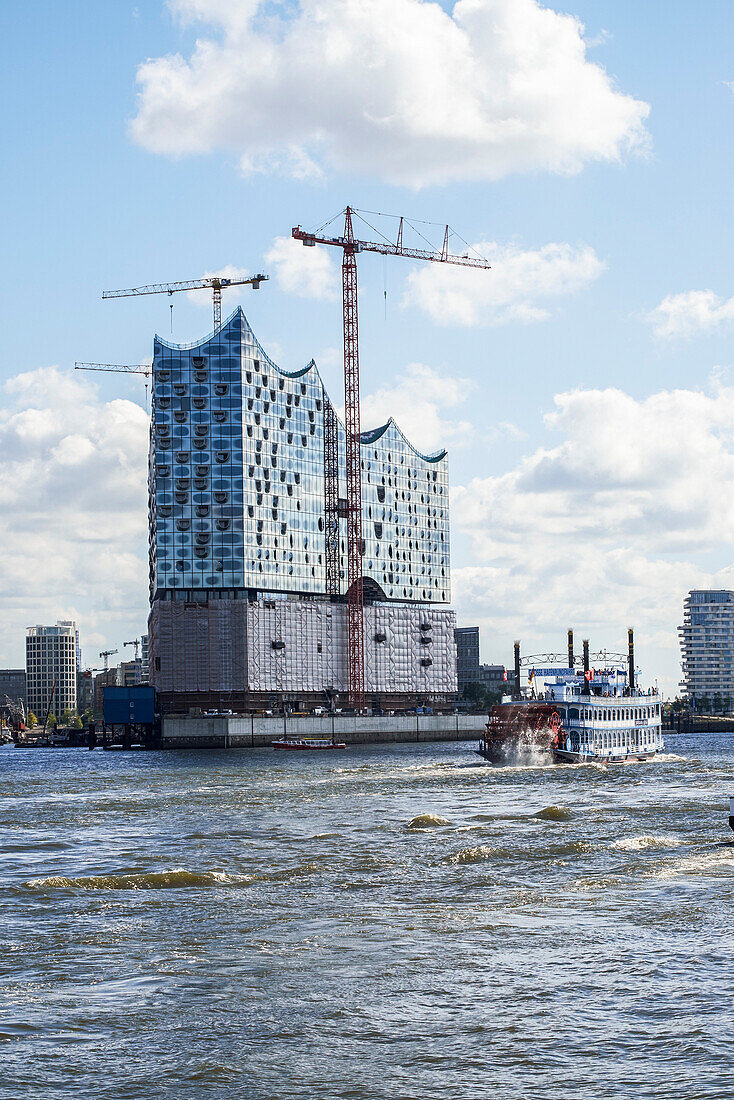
[583,385]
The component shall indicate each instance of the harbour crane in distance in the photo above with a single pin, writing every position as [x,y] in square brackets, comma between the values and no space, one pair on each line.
[106,654]
[351,246]
[216,282]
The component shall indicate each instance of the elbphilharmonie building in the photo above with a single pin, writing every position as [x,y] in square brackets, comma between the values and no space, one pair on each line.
[247,491]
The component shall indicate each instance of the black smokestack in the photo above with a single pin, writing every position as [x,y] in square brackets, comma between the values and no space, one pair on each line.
[587,685]
[517,670]
[570,649]
[631,658]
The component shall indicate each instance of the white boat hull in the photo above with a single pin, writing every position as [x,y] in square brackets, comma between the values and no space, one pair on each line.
[567,756]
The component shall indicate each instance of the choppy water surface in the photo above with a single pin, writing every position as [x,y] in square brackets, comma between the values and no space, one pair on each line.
[396,922]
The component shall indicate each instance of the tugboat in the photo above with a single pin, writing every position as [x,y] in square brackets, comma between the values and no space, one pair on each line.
[577,716]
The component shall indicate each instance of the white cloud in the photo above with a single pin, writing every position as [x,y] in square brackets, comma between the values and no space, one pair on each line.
[608,528]
[692,312]
[306,272]
[518,286]
[73,508]
[418,401]
[396,89]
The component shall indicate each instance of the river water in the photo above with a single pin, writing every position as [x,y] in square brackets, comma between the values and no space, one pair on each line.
[260,925]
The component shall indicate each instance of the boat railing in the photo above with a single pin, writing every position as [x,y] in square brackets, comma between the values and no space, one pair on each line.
[619,700]
[561,696]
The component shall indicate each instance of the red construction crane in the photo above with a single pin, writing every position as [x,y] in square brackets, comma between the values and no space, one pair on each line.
[350,246]
[216,282]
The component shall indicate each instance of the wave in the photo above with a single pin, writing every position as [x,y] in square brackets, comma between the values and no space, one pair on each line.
[480,853]
[177,879]
[427,821]
[638,843]
[554,813]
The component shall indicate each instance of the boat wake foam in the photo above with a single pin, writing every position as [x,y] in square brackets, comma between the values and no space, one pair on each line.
[479,854]
[638,843]
[718,861]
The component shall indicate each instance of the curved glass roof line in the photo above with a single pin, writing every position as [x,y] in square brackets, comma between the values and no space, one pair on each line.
[377,433]
[204,339]
[366,438]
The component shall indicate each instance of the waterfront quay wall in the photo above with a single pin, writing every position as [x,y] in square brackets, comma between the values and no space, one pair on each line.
[221,731]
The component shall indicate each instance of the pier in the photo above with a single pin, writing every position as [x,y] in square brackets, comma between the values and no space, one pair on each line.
[225,731]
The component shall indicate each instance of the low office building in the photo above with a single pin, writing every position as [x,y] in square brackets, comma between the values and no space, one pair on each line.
[467,655]
[493,677]
[13,685]
[131,673]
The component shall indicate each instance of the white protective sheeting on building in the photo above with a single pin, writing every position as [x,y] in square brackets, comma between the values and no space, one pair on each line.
[301,645]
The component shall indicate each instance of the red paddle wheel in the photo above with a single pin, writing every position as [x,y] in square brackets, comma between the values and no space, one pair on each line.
[513,727]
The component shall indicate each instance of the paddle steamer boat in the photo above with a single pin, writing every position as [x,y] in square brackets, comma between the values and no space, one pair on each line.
[581,715]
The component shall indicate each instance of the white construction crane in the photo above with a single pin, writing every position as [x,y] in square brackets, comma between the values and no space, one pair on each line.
[216,282]
[106,654]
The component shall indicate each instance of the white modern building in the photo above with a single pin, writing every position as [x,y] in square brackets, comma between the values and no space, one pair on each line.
[52,658]
[145,658]
[247,490]
[707,647]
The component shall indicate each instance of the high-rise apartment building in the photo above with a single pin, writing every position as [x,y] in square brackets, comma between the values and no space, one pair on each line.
[707,646]
[52,658]
[248,555]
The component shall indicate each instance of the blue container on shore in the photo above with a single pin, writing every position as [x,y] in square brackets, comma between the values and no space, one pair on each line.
[124,705]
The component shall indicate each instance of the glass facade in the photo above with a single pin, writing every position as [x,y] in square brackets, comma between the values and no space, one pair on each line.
[237,483]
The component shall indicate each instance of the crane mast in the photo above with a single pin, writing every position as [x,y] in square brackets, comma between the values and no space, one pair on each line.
[350,246]
[355,591]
